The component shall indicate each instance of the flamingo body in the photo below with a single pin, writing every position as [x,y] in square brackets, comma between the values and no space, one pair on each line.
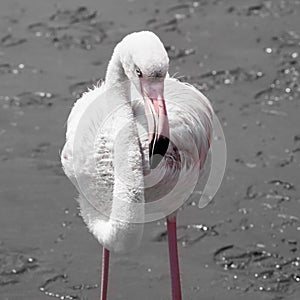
[190,120]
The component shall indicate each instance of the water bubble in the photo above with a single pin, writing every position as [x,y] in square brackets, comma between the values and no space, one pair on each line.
[297,278]
[244,211]
[250,165]
[64,224]
[31,259]
[179,16]
[268,50]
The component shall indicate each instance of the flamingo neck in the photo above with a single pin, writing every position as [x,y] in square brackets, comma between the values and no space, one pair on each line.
[127,155]
[116,78]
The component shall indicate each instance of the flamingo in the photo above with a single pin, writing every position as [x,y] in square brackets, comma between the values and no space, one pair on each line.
[139,137]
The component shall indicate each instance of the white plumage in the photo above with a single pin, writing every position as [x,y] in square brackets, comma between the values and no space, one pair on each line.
[106,154]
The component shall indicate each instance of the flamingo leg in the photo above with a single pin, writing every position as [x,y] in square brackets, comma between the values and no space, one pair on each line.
[173,255]
[104,278]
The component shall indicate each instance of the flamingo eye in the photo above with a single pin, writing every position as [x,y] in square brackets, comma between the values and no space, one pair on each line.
[139,73]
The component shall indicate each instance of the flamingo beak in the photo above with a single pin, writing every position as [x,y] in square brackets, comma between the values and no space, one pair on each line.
[158,124]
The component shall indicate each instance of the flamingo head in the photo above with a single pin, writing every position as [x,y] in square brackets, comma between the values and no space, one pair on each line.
[145,63]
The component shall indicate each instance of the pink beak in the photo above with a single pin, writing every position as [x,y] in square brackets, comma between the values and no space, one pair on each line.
[158,124]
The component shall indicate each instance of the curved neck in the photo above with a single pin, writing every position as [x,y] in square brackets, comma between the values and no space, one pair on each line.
[116,77]
[127,158]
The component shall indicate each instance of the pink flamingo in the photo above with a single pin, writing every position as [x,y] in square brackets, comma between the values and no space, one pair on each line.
[113,163]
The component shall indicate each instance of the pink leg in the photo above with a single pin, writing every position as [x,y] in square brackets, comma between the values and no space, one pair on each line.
[173,254]
[104,279]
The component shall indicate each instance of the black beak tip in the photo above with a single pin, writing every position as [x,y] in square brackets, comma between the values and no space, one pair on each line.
[157,151]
